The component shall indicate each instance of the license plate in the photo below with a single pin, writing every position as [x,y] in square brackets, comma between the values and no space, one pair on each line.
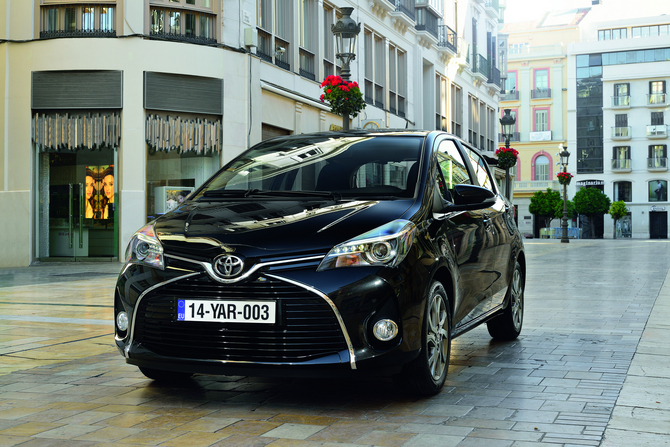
[227,311]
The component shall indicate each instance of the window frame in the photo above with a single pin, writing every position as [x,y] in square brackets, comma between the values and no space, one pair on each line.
[548,122]
[59,26]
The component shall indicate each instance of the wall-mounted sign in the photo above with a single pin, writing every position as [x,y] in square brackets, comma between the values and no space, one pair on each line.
[591,183]
[657,208]
[541,136]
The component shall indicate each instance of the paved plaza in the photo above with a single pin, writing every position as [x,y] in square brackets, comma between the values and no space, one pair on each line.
[591,368]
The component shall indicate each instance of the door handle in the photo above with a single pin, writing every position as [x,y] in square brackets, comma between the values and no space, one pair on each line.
[81,215]
[69,221]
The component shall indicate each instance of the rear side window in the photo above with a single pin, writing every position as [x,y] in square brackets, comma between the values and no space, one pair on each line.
[479,165]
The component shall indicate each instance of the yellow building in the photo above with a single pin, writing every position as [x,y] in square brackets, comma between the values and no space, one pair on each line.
[535,91]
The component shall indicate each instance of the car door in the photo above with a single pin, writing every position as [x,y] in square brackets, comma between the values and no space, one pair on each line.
[462,234]
[498,239]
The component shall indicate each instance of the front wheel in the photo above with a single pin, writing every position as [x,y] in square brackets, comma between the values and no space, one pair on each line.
[426,374]
[507,325]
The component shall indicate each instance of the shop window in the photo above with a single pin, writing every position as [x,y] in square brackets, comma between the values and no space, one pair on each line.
[182,152]
[77,20]
[623,191]
[184,20]
[658,191]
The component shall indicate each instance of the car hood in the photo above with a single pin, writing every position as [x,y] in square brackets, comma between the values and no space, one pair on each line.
[271,228]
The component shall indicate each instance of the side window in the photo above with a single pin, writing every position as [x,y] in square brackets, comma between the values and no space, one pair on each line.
[479,165]
[452,167]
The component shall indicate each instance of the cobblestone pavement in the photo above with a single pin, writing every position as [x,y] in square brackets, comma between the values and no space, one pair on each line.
[588,304]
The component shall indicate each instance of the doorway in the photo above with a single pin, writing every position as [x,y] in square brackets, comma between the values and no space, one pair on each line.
[77,206]
[658,225]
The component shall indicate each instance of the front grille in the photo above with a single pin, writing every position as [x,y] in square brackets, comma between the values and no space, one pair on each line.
[306,329]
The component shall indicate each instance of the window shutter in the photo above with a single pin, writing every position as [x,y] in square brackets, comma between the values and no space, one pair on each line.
[85,89]
[182,93]
[621,120]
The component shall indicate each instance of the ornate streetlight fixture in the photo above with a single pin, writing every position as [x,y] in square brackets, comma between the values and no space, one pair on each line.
[507,122]
[565,155]
[346,33]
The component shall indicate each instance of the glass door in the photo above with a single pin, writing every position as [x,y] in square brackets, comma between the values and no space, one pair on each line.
[77,203]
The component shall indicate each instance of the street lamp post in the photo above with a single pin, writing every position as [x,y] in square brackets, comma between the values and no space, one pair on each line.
[565,155]
[507,122]
[346,33]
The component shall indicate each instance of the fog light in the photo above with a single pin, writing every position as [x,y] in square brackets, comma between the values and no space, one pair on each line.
[385,330]
[122,321]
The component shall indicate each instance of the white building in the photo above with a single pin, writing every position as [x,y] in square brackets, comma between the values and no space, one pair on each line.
[617,120]
[112,109]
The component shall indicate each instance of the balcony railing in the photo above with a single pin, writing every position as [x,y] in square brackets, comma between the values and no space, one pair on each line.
[656,100]
[282,59]
[407,7]
[481,66]
[621,133]
[264,50]
[536,185]
[510,96]
[516,136]
[621,165]
[427,22]
[307,64]
[447,38]
[621,101]
[494,76]
[657,164]
[657,131]
[493,4]
[539,93]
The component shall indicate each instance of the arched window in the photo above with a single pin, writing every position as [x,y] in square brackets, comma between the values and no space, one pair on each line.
[542,168]
[623,191]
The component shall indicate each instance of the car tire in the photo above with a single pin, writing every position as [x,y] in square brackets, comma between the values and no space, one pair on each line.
[425,375]
[507,325]
[164,376]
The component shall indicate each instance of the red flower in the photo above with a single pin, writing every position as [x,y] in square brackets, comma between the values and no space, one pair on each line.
[328,91]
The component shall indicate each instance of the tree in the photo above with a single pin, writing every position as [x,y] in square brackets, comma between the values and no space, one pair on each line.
[617,211]
[591,202]
[544,204]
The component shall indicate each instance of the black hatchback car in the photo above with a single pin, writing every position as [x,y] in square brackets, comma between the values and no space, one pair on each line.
[323,255]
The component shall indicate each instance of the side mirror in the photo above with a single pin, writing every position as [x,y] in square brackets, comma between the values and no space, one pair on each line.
[470,197]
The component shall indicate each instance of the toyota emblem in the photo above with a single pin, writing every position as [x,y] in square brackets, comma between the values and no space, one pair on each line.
[228,266]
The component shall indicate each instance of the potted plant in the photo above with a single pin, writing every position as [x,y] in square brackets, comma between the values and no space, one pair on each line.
[564,178]
[507,157]
[344,97]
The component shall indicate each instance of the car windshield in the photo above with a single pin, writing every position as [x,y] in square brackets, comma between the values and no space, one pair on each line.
[352,167]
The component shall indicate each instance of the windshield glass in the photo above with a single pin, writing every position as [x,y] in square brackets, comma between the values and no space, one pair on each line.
[351,167]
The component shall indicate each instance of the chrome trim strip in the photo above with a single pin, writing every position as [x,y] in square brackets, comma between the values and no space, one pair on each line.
[210,270]
[139,299]
[350,348]
[352,355]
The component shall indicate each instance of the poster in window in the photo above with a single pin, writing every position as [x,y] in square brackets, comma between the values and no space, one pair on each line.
[658,191]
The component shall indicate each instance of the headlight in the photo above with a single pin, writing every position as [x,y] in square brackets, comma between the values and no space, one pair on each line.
[385,246]
[145,248]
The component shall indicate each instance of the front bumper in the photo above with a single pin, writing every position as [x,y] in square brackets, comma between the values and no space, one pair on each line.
[323,328]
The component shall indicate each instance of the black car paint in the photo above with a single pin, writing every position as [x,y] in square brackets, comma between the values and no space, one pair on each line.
[202,230]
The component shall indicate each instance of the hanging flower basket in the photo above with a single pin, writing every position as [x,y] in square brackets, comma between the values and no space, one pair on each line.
[564,178]
[344,97]
[507,157]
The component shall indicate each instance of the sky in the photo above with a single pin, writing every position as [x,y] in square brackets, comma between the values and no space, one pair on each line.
[525,10]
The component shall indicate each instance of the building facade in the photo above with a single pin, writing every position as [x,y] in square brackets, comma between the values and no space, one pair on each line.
[535,90]
[113,111]
[618,114]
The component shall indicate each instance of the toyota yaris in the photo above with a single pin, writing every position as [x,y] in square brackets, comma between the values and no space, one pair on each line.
[325,255]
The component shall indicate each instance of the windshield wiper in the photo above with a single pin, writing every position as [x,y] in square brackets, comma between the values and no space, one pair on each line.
[227,193]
